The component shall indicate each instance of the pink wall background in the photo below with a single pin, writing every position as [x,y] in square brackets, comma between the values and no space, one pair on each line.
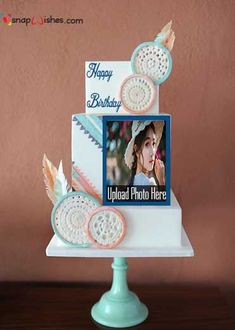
[42,85]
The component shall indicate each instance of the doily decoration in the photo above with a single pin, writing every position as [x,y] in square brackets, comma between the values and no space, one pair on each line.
[137,94]
[69,216]
[106,227]
[153,60]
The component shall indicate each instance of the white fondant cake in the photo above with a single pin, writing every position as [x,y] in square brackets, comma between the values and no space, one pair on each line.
[87,153]
[121,158]
[125,161]
[152,226]
[147,226]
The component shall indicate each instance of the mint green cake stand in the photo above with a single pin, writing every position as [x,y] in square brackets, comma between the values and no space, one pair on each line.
[119,307]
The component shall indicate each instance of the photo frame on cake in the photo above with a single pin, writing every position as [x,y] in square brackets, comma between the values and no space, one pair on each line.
[136,160]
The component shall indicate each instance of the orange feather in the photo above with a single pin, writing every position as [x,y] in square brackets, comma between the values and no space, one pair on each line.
[49,172]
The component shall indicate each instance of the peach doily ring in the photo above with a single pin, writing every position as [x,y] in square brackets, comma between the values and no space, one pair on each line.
[106,227]
[137,94]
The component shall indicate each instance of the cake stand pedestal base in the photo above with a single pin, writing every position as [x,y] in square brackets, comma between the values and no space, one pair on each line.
[119,307]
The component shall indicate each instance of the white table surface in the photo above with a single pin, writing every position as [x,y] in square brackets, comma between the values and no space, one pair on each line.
[56,248]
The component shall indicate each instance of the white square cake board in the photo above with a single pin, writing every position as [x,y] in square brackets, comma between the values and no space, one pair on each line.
[56,248]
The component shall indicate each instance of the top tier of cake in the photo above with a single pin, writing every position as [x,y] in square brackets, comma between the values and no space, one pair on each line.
[103,82]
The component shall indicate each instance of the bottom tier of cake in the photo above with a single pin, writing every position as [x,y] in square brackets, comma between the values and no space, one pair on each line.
[152,226]
[151,232]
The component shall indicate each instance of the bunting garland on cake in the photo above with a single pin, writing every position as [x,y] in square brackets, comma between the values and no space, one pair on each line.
[92,126]
[81,183]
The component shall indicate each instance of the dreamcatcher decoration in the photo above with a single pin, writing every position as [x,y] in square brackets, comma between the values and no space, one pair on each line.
[106,227]
[77,217]
[137,93]
[151,64]
[69,216]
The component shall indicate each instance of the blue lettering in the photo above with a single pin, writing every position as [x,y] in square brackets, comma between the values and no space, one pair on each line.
[95,101]
[94,72]
[93,69]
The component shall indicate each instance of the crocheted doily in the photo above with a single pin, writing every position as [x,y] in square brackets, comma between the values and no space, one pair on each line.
[106,227]
[137,93]
[153,61]
[69,217]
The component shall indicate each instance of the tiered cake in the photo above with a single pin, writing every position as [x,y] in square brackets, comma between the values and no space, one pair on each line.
[122,204]
[121,145]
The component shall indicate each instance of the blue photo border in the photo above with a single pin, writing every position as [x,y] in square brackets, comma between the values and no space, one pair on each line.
[167,119]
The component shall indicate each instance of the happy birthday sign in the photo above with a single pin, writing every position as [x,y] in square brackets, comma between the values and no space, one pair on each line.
[103,81]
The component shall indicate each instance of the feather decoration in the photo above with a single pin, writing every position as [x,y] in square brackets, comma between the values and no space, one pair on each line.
[61,186]
[168,36]
[49,172]
[166,29]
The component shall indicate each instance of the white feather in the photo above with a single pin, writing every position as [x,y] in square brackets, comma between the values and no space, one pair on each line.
[61,187]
